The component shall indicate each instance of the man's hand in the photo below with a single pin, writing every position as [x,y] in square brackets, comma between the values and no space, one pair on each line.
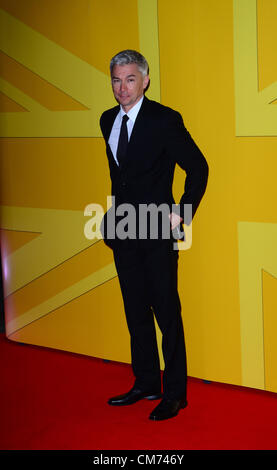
[175,220]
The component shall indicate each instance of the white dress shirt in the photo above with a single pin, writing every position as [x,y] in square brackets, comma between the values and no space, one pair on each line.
[114,135]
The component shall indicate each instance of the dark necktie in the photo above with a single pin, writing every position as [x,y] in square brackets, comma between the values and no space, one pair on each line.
[122,141]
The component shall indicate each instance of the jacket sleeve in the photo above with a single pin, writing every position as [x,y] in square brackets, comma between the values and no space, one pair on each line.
[182,150]
[101,122]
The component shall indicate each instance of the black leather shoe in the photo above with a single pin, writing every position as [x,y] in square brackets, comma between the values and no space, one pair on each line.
[133,396]
[167,409]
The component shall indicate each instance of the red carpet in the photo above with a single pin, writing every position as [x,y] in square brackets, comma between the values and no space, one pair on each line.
[57,400]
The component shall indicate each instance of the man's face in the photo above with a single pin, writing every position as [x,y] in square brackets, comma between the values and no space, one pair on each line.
[128,85]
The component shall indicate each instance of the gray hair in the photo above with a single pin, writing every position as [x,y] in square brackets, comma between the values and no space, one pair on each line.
[130,57]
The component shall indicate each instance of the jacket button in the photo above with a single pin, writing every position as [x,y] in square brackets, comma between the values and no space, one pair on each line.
[123,184]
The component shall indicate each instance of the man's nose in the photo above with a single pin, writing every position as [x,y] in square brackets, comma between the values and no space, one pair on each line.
[123,86]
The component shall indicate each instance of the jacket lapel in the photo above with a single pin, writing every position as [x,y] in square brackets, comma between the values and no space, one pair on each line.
[137,133]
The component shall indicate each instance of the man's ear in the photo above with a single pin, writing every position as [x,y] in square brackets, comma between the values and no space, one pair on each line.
[146,82]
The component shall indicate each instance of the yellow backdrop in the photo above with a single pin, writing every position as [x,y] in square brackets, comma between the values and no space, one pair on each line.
[215,62]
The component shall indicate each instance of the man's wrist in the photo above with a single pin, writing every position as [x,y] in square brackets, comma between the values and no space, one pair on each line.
[175,220]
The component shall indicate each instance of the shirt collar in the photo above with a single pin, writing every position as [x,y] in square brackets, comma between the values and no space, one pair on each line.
[132,114]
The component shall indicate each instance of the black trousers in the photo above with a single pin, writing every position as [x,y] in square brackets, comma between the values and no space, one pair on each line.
[147,272]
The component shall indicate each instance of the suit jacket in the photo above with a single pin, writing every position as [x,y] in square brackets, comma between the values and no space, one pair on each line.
[158,141]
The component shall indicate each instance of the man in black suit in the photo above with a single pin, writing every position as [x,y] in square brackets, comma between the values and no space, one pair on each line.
[144,141]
